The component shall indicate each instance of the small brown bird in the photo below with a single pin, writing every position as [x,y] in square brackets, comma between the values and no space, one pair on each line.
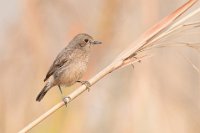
[70,64]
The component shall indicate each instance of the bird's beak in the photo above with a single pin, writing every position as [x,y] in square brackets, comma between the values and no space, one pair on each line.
[95,42]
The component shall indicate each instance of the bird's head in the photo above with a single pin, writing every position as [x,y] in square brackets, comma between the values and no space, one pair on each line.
[84,41]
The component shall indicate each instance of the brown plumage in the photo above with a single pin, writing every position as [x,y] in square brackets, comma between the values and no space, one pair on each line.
[70,64]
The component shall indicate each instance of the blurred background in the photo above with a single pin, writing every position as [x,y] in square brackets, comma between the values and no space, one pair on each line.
[160,95]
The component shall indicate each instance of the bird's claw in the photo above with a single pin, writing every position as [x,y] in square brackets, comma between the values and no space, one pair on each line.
[66,100]
[86,83]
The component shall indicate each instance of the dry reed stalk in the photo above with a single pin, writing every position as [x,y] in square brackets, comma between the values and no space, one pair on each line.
[127,57]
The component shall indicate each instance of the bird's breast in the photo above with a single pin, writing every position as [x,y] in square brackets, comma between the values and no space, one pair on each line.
[73,72]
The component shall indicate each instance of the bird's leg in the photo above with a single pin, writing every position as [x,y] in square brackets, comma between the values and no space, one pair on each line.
[86,83]
[64,98]
[60,89]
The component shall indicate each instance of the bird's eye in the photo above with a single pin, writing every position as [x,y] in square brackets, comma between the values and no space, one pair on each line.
[86,40]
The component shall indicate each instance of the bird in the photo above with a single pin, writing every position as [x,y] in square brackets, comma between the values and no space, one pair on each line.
[69,65]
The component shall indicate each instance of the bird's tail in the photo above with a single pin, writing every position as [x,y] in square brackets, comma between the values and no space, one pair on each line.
[43,92]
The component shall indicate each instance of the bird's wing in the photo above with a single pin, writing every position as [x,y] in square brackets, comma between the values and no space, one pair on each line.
[60,60]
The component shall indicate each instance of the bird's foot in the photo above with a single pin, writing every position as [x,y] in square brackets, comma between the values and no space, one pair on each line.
[86,83]
[66,100]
